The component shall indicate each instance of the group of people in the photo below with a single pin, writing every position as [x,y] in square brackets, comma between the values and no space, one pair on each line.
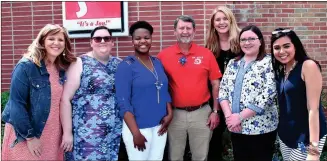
[63,107]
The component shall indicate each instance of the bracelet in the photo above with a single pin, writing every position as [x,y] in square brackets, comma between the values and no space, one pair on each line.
[216,111]
[29,139]
[313,150]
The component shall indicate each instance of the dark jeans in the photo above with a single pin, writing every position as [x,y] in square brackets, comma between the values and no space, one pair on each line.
[253,147]
[216,147]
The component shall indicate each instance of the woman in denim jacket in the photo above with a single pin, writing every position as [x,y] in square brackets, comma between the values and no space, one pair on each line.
[247,96]
[33,128]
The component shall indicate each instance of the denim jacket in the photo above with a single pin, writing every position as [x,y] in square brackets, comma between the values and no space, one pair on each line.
[28,107]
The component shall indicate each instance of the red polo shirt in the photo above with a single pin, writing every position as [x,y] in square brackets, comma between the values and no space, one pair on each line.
[189,82]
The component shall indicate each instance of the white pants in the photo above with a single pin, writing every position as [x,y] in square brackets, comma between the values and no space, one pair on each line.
[155,144]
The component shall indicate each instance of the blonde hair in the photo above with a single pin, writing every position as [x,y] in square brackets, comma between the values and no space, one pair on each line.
[37,52]
[212,42]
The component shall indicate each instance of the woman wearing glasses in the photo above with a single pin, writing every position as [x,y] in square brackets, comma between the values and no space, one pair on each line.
[223,41]
[247,97]
[302,125]
[90,117]
[143,98]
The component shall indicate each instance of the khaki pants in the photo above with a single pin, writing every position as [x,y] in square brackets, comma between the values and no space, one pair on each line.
[194,125]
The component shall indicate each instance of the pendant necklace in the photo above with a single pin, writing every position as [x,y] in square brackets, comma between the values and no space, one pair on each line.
[288,73]
[155,74]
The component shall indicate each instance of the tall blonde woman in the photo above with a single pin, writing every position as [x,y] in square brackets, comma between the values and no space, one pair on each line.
[222,40]
[33,128]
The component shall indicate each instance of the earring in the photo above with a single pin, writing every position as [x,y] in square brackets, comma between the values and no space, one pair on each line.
[64,54]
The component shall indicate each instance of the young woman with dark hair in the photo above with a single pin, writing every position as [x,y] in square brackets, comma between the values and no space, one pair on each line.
[302,125]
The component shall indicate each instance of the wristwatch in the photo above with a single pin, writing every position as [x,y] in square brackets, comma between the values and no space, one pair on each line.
[216,111]
[314,144]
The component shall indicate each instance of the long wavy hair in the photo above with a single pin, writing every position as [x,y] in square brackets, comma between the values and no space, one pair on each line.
[212,41]
[300,52]
[37,52]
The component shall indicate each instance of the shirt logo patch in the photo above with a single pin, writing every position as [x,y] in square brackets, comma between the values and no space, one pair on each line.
[198,60]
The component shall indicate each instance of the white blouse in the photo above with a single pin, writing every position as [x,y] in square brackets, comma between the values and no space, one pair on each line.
[251,87]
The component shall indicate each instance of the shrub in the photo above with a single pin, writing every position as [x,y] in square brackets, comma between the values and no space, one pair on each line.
[4,99]
[324,99]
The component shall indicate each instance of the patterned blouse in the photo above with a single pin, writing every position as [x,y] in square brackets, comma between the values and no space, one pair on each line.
[251,87]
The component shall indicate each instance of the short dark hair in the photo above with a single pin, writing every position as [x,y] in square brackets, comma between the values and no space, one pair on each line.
[185,18]
[300,53]
[140,24]
[100,28]
[257,31]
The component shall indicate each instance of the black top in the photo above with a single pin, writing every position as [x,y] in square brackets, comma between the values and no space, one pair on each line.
[222,60]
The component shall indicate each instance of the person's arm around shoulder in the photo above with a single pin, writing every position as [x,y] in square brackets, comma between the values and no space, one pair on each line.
[312,77]
[73,75]
[123,83]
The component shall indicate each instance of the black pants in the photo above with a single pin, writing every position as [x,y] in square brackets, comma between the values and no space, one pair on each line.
[122,155]
[216,146]
[253,147]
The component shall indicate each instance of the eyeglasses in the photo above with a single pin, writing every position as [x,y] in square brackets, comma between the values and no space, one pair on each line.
[250,39]
[99,39]
[281,31]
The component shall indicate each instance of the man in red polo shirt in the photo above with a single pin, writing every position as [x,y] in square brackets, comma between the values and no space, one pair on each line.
[188,67]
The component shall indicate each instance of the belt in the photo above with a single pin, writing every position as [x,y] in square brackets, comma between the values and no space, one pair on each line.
[191,108]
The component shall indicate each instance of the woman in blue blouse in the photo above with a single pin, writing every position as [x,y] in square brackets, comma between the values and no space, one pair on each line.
[247,96]
[143,98]
[302,124]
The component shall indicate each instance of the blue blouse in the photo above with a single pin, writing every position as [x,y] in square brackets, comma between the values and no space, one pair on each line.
[293,128]
[137,93]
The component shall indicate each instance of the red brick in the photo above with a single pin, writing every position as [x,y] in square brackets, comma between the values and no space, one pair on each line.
[268,6]
[320,23]
[307,24]
[319,6]
[193,7]
[261,20]
[42,3]
[287,10]
[313,28]
[319,41]
[141,3]
[154,14]
[20,4]
[275,11]
[282,6]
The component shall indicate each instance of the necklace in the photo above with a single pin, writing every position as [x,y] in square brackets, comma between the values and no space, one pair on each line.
[288,73]
[158,84]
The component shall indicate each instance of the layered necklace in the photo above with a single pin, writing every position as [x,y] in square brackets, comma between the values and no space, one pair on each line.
[288,73]
[158,84]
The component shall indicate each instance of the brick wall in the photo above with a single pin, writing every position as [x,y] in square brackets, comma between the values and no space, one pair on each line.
[21,22]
